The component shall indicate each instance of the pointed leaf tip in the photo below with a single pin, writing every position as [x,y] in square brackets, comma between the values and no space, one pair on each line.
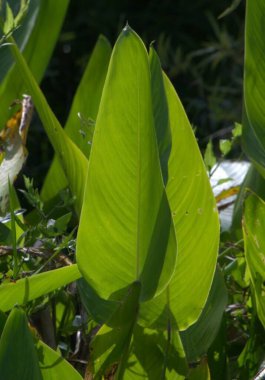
[127,28]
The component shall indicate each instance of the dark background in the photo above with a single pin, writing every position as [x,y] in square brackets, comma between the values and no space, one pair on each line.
[202,55]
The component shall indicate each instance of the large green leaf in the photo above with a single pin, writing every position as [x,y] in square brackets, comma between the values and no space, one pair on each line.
[73,161]
[37,51]
[196,223]
[126,231]
[53,366]
[85,103]
[29,288]
[253,231]
[18,355]
[194,214]
[254,81]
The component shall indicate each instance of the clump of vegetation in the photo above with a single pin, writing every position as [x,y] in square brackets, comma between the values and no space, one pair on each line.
[117,268]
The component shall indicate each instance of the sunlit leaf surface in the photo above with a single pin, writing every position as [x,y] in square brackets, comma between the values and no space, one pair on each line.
[126,231]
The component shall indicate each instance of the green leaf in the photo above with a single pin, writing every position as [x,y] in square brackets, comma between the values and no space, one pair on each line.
[198,338]
[126,232]
[53,366]
[253,232]
[3,319]
[160,111]
[255,182]
[97,307]
[5,235]
[9,20]
[10,23]
[237,130]
[47,17]
[21,34]
[201,372]
[71,158]
[254,82]
[225,146]
[230,9]
[109,348]
[252,146]
[196,223]
[209,156]
[156,355]
[23,9]
[217,355]
[85,103]
[58,226]
[30,288]
[18,355]
[195,217]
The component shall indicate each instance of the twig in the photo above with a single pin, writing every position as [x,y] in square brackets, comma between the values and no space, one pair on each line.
[32,251]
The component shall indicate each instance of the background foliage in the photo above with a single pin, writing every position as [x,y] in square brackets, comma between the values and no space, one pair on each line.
[202,55]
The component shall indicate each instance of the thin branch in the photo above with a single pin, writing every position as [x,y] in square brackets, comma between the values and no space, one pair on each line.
[32,251]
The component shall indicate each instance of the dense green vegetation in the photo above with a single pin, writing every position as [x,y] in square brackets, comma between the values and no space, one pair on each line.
[114,264]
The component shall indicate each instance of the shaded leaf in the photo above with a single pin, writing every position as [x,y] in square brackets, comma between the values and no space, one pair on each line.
[53,366]
[230,9]
[156,355]
[18,355]
[110,347]
[253,232]
[198,338]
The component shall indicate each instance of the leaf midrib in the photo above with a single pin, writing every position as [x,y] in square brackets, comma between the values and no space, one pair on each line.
[138,194]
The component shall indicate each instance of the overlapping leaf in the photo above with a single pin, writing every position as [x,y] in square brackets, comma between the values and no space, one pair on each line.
[110,347]
[156,355]
[195,219]
[126,231]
